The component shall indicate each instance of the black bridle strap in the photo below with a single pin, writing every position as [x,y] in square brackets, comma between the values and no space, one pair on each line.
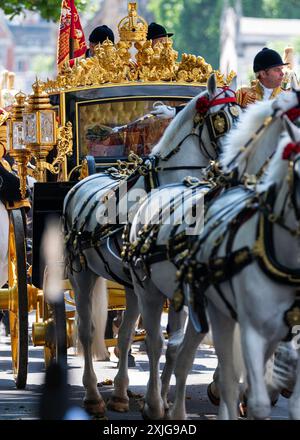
[180,168]
[176,149]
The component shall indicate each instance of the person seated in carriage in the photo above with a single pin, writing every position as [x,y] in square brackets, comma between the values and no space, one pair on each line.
[97,36]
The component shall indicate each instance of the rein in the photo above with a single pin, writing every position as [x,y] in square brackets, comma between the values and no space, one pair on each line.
[254,137]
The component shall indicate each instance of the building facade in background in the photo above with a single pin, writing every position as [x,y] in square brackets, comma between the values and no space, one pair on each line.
[27,48]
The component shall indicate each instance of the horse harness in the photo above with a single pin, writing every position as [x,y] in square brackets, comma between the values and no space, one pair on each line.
[216,270]
[77,239]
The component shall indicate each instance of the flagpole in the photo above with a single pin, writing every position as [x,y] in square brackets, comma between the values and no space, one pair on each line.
[72,36]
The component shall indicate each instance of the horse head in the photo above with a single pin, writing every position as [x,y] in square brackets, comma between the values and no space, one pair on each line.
[194,135]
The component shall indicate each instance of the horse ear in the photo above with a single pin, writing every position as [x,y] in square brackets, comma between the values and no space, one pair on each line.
[212,86]
[293,131]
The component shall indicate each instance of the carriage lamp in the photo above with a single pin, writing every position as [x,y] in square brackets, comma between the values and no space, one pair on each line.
[39,126]
[42,134]
[15,140]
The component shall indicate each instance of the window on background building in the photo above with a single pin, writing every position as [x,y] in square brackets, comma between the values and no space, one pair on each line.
[21,66]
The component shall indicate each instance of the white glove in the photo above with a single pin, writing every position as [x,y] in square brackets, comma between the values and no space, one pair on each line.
[285,101]
[164,111]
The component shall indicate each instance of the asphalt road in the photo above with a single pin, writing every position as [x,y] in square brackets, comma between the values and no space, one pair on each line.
[24,404]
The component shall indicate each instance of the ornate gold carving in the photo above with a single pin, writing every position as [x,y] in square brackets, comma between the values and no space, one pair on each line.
[84,171]
[113,64]
[193,69]
[64,148]
[127,168]
[3,116]
[21,157]
[222,80]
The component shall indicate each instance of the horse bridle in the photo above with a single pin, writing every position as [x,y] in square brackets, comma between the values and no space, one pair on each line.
[294,182]
[213,122]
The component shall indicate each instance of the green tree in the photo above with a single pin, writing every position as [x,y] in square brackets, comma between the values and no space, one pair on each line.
[49,9]
[196,23]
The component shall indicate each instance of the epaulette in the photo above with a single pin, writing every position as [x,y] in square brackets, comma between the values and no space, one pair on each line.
[246,95]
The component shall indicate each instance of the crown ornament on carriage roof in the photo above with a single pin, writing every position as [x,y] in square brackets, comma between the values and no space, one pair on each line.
[113,63]
[133,27]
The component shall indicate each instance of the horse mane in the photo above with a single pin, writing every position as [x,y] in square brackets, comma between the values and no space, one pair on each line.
[172,135]
[276,170]
[247,125]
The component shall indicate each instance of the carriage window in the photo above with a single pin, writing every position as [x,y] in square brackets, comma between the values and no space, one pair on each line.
[115,128]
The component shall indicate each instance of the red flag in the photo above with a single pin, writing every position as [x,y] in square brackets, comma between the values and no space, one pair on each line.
[71,40]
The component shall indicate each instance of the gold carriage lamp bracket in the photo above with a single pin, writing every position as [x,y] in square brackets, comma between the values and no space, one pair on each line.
[15,140]
[41,133]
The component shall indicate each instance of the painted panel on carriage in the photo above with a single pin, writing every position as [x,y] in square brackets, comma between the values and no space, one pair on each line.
[115,128]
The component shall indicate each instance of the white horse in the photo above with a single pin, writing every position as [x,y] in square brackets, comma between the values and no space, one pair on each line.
[265,289]
[92,251]
[154,276]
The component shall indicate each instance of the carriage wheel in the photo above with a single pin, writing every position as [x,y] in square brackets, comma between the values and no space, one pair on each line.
[18,303]
[55,349]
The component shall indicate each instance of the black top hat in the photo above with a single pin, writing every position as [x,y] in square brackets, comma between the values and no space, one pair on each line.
[100,33]
[157,31]
[267,58]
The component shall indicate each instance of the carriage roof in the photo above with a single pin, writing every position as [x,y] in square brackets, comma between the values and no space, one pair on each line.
[112,76]
[113,63]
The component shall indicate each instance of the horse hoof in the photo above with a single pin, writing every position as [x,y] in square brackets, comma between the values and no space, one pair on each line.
[95,407]
[213,399]
[148,416]
[286,393]
[118,404]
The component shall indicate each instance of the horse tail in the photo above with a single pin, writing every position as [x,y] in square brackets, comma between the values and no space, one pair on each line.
[99,317]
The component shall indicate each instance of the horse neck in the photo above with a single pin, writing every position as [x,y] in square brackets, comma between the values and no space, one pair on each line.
[190,154]
[287,248]
[258,153]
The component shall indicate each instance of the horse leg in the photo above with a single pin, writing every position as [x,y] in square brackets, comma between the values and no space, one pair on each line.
[151,302]
[254,350]
[176,321]
[184,362]
[83,283]
[223,334]
[119,400]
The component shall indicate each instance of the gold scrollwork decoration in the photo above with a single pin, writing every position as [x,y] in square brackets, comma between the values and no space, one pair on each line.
[64,148]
